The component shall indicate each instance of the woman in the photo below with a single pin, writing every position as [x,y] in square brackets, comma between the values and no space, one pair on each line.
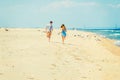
[63,32]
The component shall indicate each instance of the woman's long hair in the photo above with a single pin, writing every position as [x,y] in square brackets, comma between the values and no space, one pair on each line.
[63,27]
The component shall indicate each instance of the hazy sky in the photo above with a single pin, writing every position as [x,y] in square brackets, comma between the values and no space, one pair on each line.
[73,13]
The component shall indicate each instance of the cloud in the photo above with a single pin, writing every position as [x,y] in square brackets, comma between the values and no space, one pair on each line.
[114,6]
[67,4]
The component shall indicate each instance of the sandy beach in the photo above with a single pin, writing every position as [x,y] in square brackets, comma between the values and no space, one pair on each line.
[26,54]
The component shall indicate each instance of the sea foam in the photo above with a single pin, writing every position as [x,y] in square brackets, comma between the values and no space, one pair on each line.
[117,43]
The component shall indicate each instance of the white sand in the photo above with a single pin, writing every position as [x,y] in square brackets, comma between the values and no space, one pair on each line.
[26,54]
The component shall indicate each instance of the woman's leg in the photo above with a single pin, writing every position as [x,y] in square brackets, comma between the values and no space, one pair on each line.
[63,38]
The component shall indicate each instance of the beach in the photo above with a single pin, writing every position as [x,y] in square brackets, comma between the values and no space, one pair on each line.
[26,54]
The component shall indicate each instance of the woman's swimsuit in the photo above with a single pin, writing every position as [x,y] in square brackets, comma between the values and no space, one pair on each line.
[63,33]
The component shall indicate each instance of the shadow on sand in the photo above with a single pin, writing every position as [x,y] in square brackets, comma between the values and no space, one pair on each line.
[65,43]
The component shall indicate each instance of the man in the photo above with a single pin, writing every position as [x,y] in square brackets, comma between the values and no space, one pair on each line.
[49,29]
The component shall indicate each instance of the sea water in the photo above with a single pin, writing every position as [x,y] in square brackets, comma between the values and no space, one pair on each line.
[108,33]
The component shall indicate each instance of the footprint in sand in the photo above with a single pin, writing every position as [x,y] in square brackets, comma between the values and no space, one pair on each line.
[84,77]
[90,71]
[1,73]
[44,54]
[31,78]
[76,57]
[100,69]
[53,66]
[10,65]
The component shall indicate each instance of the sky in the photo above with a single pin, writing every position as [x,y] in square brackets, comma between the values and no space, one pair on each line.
[72,13]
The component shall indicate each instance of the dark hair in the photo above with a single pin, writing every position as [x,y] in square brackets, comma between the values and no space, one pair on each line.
[64,27]
[51,22]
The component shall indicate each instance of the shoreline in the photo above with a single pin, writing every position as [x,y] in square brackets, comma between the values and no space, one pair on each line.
[115,41]
[26,54]
[83,30]
[75,33]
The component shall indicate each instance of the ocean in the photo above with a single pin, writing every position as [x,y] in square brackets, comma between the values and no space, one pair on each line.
[109,33]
